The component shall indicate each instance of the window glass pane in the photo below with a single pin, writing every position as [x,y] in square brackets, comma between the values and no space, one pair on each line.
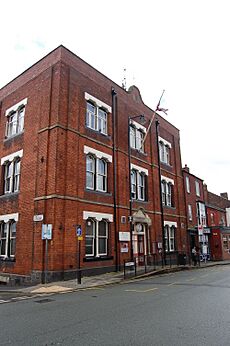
[90,171]
[12,124]
[102,121]
[91,116]
[133,184]
[21,113]
[102,246]
[101,167]
[89,228]
[89,237]
[187,184]
[139,140]
[17,165]
[102,229]
[169,189]
[3,236]
[167,154]
[101,175]
[161,148]
[141,186]
[8,177]
[89,246]
[197,185]
[132,137]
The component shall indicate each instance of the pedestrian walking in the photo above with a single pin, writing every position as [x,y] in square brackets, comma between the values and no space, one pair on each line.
[194,256]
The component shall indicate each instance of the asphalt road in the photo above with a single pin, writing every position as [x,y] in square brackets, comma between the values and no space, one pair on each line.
[183,308]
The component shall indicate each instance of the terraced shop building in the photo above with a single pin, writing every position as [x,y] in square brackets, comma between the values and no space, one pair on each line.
[72,155]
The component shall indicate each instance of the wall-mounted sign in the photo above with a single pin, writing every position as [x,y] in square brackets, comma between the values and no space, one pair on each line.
[38,217]
[124,236]
[124,247]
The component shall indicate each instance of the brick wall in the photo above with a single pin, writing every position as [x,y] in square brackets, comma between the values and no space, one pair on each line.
[53,175]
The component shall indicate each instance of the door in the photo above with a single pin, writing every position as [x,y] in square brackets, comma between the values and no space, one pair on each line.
[141,249]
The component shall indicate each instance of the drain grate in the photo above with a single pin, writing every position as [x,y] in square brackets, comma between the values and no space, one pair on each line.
[46,300]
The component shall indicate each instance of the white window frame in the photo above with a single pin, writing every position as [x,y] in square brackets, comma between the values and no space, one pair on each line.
[187,184]
[138,185]
[95,120]
[167,191]
[96,174]
[96,237]
[99,117]
[164,151]
[9,237]
[11,163]
[197,187]
[136,138]
[15,119]
[90,173]
[201,214]
[170,238]
[189,212]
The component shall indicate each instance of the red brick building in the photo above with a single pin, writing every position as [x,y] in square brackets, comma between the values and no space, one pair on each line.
[65,162]
[217,216]
[198,232]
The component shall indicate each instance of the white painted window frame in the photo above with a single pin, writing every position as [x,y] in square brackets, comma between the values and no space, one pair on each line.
[17,110]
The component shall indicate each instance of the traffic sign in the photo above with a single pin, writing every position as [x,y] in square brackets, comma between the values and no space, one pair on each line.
[78,231]
[46,231]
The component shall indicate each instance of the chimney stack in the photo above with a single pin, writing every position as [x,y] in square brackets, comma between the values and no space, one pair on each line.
[224,195]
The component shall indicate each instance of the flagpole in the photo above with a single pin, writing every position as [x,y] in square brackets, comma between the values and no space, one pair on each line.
[151,121]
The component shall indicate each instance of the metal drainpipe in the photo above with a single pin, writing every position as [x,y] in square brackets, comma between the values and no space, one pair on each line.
[114,113]
[161,202]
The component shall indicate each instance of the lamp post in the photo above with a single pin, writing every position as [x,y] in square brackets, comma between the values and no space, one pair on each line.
[142,120]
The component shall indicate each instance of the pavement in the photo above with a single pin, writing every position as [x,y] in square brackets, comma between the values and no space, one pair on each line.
[88,282]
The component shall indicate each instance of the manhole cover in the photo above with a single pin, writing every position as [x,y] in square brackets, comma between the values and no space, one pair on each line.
[46,300]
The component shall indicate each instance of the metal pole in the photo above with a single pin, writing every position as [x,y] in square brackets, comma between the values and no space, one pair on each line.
[46,261]
[79,263]
[130,192]
[161,202]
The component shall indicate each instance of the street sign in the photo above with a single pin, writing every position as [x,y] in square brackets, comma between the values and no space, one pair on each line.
[38,217]
[46,231]
[78,231]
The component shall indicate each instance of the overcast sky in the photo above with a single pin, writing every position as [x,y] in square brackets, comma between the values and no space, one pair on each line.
[181,46]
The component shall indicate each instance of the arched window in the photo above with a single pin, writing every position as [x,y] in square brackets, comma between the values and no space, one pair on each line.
[101,175]
[90,172]
[96,173]
[8,238]
[169,238]
[134,184]
[169,194]
[138,185]
[102,236]
[16,177]
[163,191]
[15,119]
[90,237]
[141,186]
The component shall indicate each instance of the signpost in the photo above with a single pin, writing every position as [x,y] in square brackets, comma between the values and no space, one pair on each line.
[79,238]
[46,235]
